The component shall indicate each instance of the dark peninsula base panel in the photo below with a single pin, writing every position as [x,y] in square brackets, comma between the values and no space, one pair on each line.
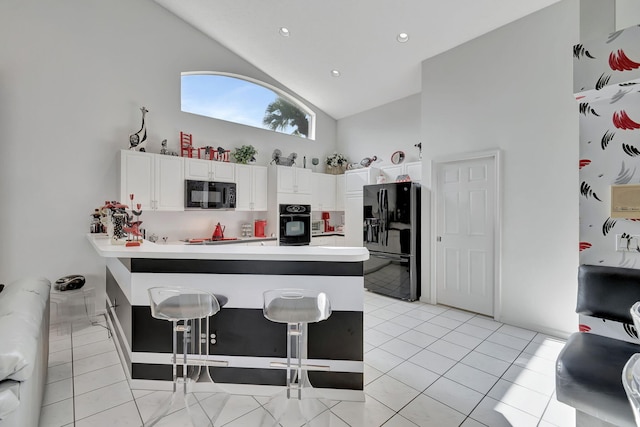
[246,332]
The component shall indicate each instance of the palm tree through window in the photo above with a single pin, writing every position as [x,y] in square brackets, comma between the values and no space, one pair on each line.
[246,101]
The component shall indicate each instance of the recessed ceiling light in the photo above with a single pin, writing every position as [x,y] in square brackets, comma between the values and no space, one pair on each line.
[402,37]
[284,31]
[335,73]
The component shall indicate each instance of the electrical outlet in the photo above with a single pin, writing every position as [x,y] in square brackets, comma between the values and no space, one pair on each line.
[627,243]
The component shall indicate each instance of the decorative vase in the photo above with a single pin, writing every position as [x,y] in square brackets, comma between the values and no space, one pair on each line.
[119,237]
[335,170]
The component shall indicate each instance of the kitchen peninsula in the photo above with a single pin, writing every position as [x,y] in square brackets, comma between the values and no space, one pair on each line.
[245,341]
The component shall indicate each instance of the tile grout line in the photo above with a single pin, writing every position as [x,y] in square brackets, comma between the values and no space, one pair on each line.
[73,376]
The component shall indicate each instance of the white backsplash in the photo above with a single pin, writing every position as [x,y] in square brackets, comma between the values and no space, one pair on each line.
[197,224]
[200,224]
[336,218]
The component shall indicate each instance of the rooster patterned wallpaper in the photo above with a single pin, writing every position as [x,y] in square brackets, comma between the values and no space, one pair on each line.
[607,86]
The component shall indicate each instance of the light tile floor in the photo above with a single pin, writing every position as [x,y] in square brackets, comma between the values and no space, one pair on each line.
[425,365]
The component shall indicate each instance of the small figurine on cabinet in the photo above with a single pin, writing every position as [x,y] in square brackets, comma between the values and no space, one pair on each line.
[163,144]
[277,158]
[165,151]
[138,140]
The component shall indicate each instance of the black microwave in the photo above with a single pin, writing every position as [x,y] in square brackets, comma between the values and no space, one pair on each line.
[209,195]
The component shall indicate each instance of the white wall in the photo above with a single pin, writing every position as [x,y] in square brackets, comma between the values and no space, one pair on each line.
[627,13]
[382,131]
[511,89]
[597,18]
[73,75]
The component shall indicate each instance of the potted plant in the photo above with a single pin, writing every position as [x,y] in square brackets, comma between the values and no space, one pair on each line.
[336,163]
[245,154]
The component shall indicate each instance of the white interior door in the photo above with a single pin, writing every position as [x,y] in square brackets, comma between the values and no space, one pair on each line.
[465,234]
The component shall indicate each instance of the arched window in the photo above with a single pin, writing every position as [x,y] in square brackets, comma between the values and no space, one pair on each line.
[243,100]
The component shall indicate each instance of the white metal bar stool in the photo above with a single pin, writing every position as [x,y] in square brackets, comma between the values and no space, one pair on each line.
[297,308]
[191,307]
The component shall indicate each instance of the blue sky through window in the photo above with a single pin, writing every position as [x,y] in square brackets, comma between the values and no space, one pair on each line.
[226,98]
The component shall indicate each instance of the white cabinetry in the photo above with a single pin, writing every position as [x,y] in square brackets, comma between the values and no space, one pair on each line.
[340,192]
[293,180]
[413,169]
[251,187]
[207,170]
[391,172]
[323,192]
[156,181]
[355,179]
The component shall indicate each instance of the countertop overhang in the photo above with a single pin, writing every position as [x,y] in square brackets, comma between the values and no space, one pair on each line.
[102,245]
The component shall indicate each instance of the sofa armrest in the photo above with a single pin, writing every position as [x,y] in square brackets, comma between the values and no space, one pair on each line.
[22,306]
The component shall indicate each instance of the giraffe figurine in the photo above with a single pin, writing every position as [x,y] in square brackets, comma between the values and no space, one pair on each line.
[138,141]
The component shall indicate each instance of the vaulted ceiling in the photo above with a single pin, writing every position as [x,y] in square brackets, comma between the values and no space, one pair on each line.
[358,38]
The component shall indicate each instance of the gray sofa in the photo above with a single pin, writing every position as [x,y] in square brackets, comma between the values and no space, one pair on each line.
[589,367]
[24,350]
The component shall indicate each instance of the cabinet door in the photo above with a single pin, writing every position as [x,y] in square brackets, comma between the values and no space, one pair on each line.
[260,187]
[136,177]
[340,192]
[197,169]
[169,183]
[414,170]
[302,181]
[392,172]
[223,171]
[286,179]
[356,179]
[316,192]
[244,187]
[328,192]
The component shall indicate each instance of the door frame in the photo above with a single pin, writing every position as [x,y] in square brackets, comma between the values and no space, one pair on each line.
[436,163]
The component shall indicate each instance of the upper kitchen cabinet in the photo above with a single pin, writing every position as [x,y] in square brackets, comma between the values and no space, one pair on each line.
[323,192]
[293,180]
[355,179]
[413,169]
[208,170]
[251,187]
[156,181]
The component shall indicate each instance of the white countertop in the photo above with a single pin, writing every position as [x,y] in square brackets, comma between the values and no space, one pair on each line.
[102,244]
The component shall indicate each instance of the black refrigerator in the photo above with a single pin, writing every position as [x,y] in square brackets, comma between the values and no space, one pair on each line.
[392,235]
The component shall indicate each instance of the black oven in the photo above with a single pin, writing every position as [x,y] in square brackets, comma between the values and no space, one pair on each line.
[295,225]
[209,195]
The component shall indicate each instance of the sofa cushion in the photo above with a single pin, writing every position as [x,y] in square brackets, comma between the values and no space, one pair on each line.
[22,306]
[9,402]
[589,377]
